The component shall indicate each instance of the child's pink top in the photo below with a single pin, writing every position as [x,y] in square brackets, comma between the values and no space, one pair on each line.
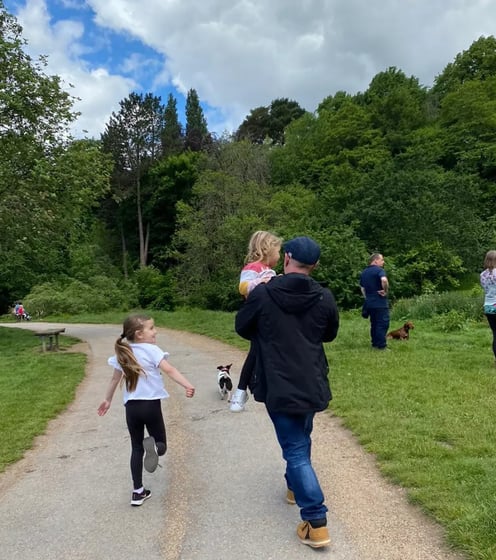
[252,275]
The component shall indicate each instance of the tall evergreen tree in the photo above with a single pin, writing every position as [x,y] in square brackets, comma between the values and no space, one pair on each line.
[197,136]
[172,135]
[134,138]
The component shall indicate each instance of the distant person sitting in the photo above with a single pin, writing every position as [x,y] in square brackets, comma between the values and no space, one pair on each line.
[20,313]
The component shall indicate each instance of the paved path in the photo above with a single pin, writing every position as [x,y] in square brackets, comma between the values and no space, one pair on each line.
[220,493]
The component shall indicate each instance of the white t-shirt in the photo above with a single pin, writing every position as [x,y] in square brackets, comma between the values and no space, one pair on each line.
[150,386]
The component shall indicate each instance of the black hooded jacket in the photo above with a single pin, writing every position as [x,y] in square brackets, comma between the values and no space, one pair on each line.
[287,320]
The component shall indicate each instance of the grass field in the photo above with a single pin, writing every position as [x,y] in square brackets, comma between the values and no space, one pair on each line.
[34,387]
[426,408]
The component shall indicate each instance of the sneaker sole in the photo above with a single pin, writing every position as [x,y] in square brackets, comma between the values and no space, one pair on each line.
[315,544]
[136,503]
[237,409]
[150,461]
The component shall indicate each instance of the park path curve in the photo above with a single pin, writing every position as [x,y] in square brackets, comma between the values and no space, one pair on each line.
[220,493]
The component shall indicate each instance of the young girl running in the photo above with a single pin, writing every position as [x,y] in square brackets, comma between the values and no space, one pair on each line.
[263,254]
[138,363]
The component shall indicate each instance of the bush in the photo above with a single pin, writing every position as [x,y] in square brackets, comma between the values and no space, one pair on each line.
[466,303]
[74,296]
[154,289]
[451,321]
[424,270]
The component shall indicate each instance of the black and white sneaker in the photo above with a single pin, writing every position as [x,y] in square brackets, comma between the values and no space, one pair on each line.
[150,461]
[138,498]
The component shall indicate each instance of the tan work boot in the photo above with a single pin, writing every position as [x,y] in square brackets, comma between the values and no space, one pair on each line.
[316,538]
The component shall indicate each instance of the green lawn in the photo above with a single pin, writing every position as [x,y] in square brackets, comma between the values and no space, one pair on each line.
[34,387]
[425,409]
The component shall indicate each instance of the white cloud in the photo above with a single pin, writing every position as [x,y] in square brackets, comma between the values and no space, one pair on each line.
[99,92]
[240,54]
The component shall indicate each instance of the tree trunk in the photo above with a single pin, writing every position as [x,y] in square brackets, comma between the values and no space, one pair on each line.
[142,252]
[124,253]
[147,239]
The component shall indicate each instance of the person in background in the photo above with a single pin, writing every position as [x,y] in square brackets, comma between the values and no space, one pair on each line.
[374,286]
[288,319]
[138,363]
[488,283]
[264,250]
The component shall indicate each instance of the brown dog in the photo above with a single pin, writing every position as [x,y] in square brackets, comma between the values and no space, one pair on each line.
[403,333]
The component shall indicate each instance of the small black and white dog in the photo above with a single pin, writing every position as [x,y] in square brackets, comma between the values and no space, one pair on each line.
[224,381]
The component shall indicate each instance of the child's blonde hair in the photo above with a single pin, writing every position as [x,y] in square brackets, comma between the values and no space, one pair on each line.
[124,353]
[261,245]
[490,260]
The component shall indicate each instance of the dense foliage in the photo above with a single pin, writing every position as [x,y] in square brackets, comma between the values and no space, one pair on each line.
[49,185]
[164,212]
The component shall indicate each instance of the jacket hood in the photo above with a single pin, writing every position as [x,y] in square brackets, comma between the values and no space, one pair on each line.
[294,292]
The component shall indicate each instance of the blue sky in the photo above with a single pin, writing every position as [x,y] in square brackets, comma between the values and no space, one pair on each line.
[241,54]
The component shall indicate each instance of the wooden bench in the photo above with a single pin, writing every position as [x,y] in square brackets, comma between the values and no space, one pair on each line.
[50,335]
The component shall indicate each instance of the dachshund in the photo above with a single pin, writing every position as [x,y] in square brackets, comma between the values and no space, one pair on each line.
[403,333]
[224,382]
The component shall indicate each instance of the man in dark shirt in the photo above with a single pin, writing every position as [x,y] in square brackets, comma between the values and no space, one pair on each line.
[374,286]
[288,319]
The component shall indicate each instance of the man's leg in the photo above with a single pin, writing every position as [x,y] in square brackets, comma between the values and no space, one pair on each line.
[382,327]
[294,436]
[379,325]
[373,327]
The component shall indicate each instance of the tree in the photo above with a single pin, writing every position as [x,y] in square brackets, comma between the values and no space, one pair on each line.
[211,237]
[35,114]
[255,127]
[478,62]
[133,137]
[243,160]
[31,103]
[173,179]
[340,134]
[469,128]
[197,136]
[172,136]
[397,106]
[282,112]
[269,123]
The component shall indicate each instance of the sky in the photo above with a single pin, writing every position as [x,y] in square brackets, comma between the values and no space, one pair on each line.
[240,54]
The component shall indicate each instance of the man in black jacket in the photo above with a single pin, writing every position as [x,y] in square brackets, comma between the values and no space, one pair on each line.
[288,319]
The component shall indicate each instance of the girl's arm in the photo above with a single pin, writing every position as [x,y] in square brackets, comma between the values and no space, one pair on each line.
[176,376]
[105,405]
[250,279]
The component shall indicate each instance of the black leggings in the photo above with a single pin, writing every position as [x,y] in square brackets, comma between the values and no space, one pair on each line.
[247,369]
[491,319]
[141,414]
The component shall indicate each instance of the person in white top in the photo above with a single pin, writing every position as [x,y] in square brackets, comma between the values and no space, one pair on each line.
[488,283]
[138,365]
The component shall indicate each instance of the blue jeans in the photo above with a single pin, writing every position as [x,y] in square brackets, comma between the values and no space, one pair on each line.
[293,433]
[379,325]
